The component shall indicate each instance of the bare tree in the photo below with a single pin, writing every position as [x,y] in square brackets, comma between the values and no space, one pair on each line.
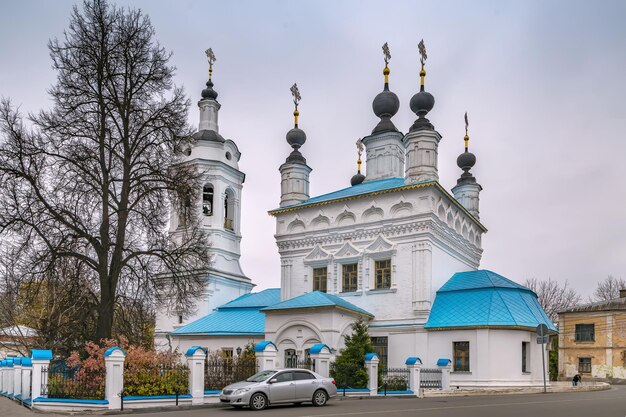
[553,296]
[90,180]
[608,289]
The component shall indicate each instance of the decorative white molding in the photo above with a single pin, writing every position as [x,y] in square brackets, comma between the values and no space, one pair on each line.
[348,250]
[345,217]
[317,254]
[373,213]
[380,244]
[401,208]
[296,225]
[320,221]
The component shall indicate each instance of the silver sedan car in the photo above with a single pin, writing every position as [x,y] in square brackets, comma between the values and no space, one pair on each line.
[279,387]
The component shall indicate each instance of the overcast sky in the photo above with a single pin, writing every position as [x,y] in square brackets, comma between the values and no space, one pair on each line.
[543,82]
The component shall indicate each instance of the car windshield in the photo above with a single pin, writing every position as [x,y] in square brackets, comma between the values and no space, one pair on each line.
[260,376]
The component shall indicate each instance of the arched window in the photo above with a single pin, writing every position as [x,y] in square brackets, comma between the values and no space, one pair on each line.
[229,210]
[207,200]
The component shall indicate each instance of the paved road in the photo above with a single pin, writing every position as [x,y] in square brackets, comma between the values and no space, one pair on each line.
[611,403]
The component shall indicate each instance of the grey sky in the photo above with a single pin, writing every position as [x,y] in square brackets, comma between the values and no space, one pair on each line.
[543,83]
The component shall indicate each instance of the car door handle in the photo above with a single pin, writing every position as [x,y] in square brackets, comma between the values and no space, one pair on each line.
[293,383]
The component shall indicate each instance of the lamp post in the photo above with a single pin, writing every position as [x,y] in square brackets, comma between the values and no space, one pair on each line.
[238,350]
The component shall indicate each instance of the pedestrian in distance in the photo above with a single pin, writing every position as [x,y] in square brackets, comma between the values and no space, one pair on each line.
[576,380]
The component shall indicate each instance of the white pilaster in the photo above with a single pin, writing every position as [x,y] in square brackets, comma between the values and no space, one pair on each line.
[114,383]
[371,365]
[422,272]
[40,360]
[195,362]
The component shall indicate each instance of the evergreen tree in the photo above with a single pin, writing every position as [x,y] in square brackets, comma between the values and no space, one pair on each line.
[349,367]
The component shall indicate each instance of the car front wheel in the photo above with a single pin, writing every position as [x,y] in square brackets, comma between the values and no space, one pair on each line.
[319,398]
[258,401]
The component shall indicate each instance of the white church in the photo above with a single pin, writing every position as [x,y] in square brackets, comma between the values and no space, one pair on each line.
[396,249]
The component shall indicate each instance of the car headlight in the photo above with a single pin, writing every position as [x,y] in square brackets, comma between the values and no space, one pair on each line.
[240,391]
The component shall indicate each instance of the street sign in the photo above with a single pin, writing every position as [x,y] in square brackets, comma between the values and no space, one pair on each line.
[542,339]
[542,330]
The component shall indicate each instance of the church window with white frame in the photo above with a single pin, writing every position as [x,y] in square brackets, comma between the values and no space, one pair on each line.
[382,273]
[350,277]
[320,279]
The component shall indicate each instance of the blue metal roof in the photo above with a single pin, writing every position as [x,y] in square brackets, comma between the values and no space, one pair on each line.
[482,299]
[385,184]
[238,317]
[316,299]
[246,321]
[256,299]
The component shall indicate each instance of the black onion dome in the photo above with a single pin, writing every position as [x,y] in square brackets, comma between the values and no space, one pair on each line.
[422,102]
[209,92]
[296,137]
[357,179]
[466,161]
[386,103]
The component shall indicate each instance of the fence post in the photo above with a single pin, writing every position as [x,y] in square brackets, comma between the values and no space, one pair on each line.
[17,377]
[445,365]
[320,355]
[9,377]
[27,364]
[2,367]
[414,364]
[195,362]
[266,353]
[40,360]
[371,364]
[114,381]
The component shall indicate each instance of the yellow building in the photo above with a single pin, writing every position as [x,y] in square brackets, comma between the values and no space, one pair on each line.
[592,340]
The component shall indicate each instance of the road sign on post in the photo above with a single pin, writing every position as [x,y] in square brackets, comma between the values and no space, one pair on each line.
[542,333]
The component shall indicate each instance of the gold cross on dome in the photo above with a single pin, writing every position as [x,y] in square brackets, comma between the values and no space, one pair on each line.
[386,53]
[296,94]
[422,50]
[210,55]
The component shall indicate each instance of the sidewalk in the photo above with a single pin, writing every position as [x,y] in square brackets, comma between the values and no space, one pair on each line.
[554,387]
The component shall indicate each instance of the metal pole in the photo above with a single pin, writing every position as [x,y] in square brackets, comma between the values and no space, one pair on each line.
[543,361]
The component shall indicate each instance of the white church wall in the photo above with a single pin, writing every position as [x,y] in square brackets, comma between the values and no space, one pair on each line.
[445,264]
[495,356]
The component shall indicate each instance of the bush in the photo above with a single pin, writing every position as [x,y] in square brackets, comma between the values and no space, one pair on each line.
[146,371]
[395,383]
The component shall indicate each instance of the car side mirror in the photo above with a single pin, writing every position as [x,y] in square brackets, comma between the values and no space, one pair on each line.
[273,381]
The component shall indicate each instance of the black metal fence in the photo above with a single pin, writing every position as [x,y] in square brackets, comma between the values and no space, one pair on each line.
[430,378]
[60,381]
[145,380]
[219,373]
[395,379]
[302,364]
